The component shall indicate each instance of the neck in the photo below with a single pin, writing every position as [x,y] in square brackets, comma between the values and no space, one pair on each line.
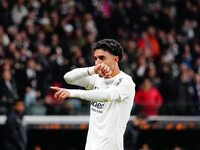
[146,88]
[115,71]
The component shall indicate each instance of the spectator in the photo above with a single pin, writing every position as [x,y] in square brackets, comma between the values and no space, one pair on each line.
[77,57]
[66,108]
[37,147]
[155,46]
[132,132]
[177,148]
[8,91]
[19,11]
[5,18]
[195,92]
[58,62]
[87,49]
[54,16]
[167,83]
[148,98]
[43,68]
[4,36]
[183,100]
[89,24]
[140,69]
[144,45]
[152,74]
[145,147]
[26,79]
[80,40]
[15,130]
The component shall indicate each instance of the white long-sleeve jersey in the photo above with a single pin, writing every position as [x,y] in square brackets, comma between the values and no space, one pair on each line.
[111,103]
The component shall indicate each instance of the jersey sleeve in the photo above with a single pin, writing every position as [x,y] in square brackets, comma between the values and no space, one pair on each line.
[84,77]
[125,87]
[117,92]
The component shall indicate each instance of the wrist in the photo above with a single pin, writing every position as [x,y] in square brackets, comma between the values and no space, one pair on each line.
[73,93]
[91,71]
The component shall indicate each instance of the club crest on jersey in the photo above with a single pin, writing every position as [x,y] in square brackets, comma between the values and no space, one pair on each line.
[118,82]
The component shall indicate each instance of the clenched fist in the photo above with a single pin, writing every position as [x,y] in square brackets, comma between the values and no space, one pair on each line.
[103,70]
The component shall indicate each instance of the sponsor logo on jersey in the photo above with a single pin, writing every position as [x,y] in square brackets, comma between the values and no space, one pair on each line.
[97,106]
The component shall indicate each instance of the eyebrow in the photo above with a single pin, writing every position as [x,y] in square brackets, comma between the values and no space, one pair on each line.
[100,56]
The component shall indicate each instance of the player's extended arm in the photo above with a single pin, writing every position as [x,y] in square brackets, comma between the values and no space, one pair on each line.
[100,95]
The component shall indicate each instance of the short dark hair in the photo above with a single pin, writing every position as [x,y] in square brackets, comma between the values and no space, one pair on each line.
[16,101]
[110,45]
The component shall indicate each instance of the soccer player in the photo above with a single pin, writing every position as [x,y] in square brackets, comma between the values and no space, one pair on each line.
[110,91]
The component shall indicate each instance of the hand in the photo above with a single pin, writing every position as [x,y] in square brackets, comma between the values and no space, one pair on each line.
[103,70]
[60,93]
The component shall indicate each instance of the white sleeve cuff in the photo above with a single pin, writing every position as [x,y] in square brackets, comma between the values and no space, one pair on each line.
[91,71]
[73,93]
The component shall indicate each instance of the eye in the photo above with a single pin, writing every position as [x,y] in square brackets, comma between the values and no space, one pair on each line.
[101,57]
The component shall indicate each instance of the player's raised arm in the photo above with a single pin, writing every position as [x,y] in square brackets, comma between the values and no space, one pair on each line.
[81,77]
[84,76]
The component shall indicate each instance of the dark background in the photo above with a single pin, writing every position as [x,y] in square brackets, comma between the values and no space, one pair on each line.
[74,139]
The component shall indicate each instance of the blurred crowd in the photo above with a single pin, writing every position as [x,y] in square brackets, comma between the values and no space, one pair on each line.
[40,40]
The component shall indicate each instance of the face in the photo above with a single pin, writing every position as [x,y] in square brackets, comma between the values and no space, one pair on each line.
[6,75]
[147,84]
[19,107]
[105,57]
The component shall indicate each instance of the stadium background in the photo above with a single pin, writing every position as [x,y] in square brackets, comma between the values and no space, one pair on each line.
[40,40]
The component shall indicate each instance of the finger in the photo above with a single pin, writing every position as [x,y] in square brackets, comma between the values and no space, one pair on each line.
[101,66]
[55,88]
[56,95]
[109,69]
[101,74]
[62,96]
[109,74]
[97,68]
[60,101]
[105,69]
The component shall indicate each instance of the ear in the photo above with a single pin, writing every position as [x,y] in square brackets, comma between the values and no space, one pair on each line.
[116,58]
